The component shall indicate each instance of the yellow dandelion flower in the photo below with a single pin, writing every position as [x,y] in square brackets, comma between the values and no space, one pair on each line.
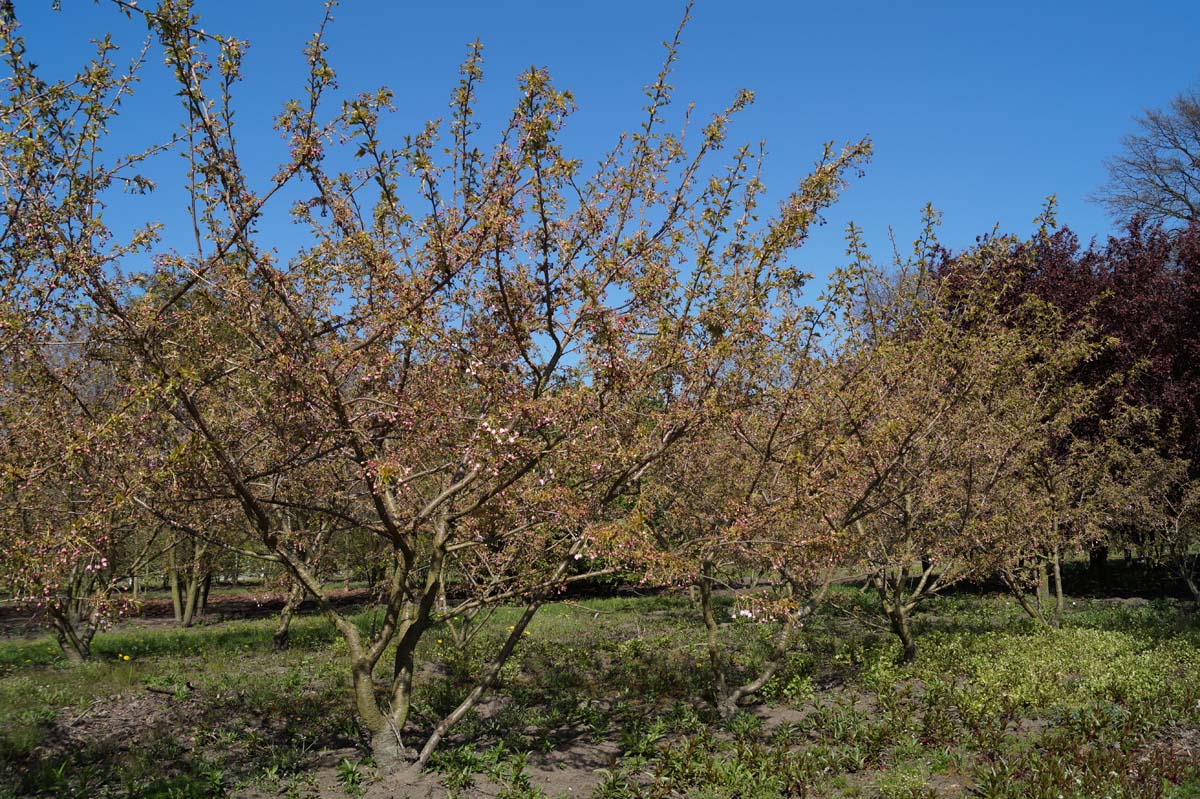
[126,657]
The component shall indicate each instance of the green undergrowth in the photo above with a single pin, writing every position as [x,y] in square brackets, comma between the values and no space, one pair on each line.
[994,706]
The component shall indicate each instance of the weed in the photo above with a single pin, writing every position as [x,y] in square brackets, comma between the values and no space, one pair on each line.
[350,776]
[639,738]
[905,782]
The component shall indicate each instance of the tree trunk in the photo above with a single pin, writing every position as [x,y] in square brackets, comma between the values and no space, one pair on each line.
[404,668]
[389,752]
[716,655]
[282,630]
[1060,602]
[69,645]
[779,652]
[176,588]
[189,588]
[1098,562]
[1042,597]
[74,645]
[191,598]
[898,614]
[387,747]
[1190,581]
[1018,592]
[897,608]
[75,625]
[207,584]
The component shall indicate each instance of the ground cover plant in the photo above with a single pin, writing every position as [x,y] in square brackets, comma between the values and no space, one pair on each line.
[612,698]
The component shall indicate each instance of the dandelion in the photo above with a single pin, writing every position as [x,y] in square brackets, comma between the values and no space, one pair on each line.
[125,657]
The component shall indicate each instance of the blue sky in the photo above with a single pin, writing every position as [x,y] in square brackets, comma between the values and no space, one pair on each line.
[983,109]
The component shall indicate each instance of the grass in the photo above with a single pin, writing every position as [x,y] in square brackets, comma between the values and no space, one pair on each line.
[1108,706]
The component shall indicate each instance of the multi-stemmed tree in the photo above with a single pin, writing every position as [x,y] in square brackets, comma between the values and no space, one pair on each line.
[473,356]
[70,535]
[977,389]
[745,497]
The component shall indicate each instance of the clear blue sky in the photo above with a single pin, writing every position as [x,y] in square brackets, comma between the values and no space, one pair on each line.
[983,109]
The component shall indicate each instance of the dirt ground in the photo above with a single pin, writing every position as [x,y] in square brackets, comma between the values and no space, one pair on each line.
[129,720]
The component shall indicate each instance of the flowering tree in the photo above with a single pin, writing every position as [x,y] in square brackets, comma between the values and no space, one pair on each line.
[472,357]
[978,392]
[68,422]
[744,497]
[796,468]
[68,532]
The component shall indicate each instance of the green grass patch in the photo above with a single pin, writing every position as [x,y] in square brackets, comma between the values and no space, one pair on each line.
[993,704]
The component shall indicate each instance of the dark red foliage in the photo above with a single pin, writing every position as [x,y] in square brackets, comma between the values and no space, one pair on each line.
[1141,288]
